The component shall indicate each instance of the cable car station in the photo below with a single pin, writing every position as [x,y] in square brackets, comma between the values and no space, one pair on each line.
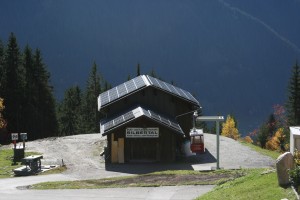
[146,120]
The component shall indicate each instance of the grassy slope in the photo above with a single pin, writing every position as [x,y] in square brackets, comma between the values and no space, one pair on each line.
[255,185]
[6,162]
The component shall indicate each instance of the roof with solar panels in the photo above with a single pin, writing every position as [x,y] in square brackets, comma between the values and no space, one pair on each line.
[130,114]
[139,83]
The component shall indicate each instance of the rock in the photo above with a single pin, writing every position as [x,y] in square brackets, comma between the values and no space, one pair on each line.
[283,163]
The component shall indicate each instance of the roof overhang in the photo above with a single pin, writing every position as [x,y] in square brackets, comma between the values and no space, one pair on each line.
[109,125]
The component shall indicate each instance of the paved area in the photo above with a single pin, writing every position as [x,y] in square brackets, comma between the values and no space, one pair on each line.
[9,191]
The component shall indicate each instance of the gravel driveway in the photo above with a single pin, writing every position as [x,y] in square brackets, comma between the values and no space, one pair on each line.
[81,154]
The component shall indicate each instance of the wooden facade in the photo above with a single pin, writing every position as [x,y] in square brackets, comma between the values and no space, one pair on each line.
[146,107]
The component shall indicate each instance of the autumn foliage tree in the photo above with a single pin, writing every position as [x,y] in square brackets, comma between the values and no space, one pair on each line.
[2,121]
[277,141]
[229,128]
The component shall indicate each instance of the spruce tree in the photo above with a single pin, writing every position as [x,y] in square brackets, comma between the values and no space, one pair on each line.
[46,113]
[1,65]
[13,86]
[293,102]
[90,108]
[69,112]
[138,70]
[30,111]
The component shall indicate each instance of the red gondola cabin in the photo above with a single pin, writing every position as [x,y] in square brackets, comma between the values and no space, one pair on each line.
[197,141]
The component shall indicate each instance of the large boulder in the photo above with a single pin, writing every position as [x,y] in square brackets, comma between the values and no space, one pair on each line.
[283,163]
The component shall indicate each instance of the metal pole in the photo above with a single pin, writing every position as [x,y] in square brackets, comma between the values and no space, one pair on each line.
[218,144]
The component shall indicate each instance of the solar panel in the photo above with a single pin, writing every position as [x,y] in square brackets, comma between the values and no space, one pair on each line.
[137,112]
[104,98]
[122,90]
[172,89]
[140,82]
[113,94]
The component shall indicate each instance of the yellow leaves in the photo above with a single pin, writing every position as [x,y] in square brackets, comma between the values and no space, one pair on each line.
[229,129]
[2,121]
[275,142]
[1,105]
[248,139]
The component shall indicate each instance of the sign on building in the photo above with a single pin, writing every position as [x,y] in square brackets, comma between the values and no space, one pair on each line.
[142,132]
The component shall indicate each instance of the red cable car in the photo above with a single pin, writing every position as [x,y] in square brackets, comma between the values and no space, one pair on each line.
[197,141]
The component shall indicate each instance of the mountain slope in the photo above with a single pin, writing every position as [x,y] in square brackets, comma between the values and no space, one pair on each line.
[235,56]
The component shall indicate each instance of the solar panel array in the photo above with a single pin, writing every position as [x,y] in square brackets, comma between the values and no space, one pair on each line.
[172,89]
[140,82]
[135,113]
[121,90]
[163,120]
[118,120]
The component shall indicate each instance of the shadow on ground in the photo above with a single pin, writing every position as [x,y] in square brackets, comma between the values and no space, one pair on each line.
[144,167]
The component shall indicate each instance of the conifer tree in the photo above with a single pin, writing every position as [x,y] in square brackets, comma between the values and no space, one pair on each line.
[1,65]
[69,112]
[13,85]
[46,113]
[90,108]
[138,70]
[293,102]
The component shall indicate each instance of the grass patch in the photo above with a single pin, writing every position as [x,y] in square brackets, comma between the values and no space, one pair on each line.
[256,184]
[266,152]
[166,178]
[7,164]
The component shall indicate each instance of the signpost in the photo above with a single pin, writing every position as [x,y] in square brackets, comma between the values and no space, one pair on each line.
[217,119]
[23,138]
[14,138]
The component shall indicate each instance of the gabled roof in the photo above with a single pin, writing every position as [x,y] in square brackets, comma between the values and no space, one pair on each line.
[107,126]
[139,83]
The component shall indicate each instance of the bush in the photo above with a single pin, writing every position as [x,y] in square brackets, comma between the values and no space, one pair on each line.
[295,173]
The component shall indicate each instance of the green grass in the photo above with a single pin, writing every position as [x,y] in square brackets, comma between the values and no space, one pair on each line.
[266,152]
[256,184]
[7,164]
[166,178]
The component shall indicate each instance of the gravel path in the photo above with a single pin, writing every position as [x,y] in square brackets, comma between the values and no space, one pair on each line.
[81,154]
[233,154]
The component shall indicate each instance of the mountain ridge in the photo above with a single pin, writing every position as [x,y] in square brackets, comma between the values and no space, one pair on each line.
[235,56]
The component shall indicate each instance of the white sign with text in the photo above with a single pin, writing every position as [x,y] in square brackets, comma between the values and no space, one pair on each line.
[142,132]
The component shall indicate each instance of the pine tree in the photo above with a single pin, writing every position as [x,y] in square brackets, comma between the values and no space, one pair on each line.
[69,112]
[293,102]
[30,100]
[138,70]
[13,86]
[46,113]
[262,135]
[90,108]
[1,65]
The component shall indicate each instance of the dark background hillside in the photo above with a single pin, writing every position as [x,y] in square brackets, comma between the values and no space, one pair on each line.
[235,56]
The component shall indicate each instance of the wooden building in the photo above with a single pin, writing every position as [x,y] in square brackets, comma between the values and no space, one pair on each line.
[146,120]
